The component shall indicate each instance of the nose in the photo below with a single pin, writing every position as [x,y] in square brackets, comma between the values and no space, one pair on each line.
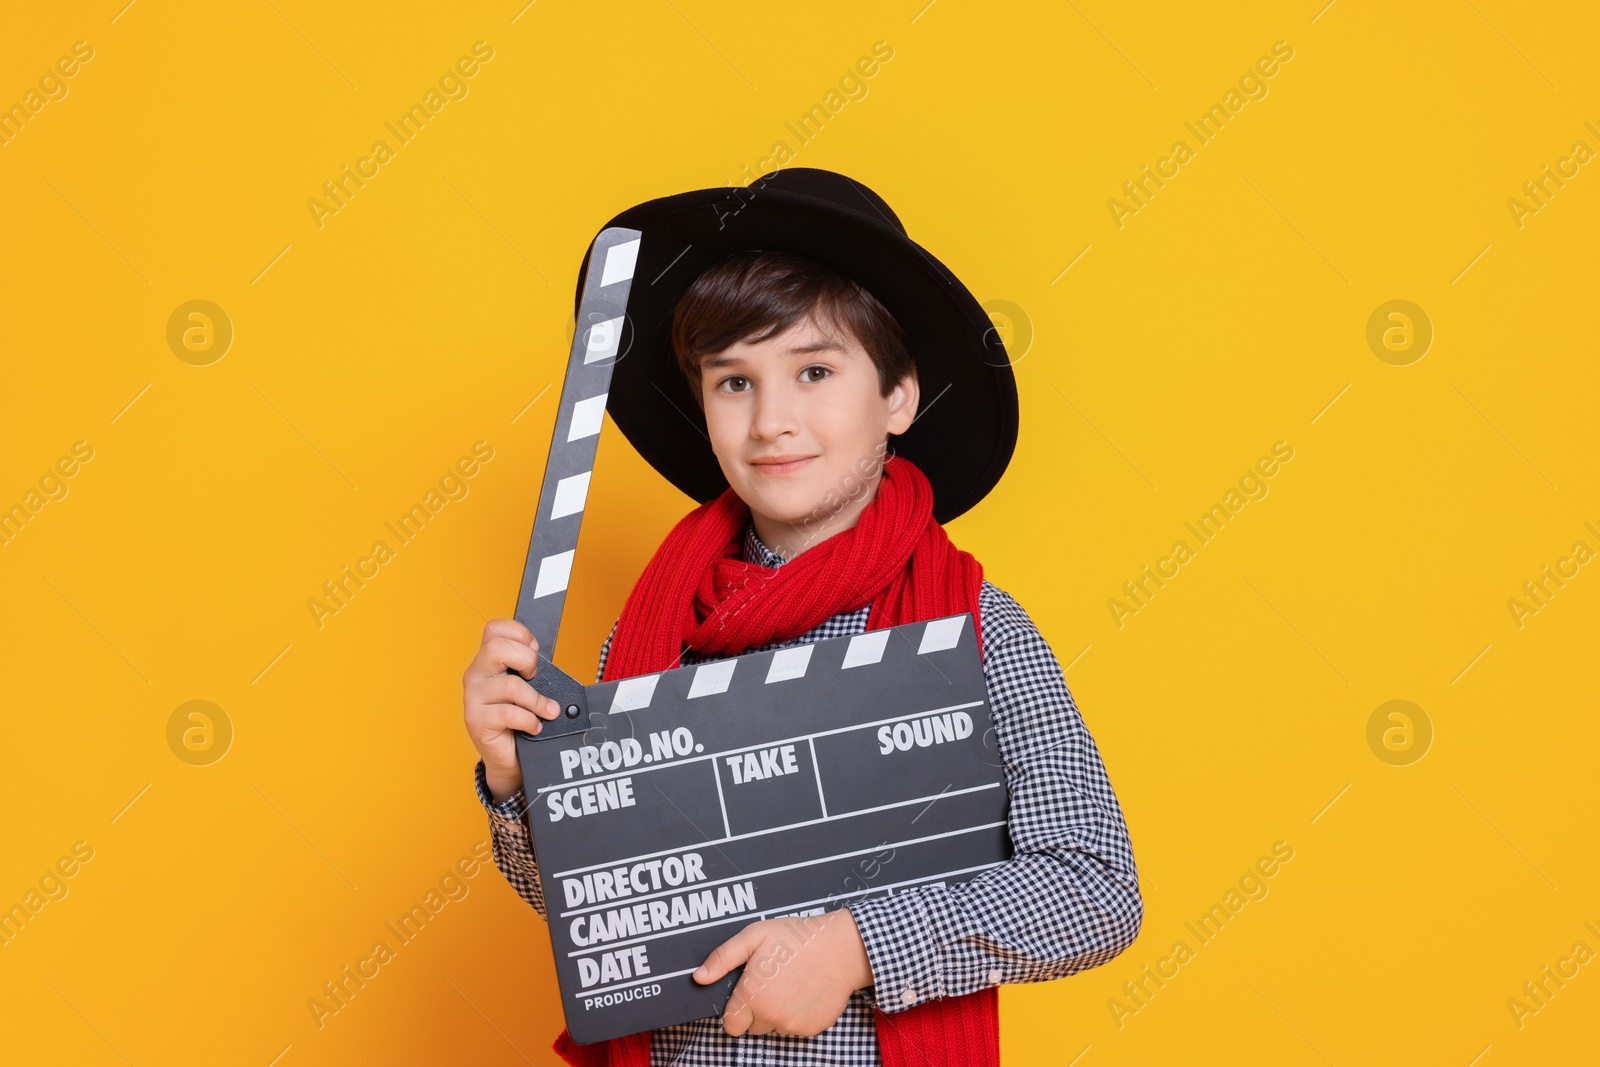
[775,413]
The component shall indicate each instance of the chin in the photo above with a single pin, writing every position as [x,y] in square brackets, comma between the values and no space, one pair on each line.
[788,509]
[792,504]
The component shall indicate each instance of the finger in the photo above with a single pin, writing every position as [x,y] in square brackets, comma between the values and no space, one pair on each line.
[509,628]
[496,656]
[510,717]
[740,1015]
[496,631]
[499,654]
[730,954]
[510,689]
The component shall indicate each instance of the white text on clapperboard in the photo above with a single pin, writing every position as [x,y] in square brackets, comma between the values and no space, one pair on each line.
[647,876]
[656,878]
[591,799]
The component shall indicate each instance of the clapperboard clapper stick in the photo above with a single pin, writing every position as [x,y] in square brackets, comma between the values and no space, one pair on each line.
[670,810]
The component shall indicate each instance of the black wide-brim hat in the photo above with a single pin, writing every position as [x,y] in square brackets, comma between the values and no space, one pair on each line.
[966,426]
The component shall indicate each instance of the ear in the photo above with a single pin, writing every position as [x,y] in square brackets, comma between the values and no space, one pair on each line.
[903,403]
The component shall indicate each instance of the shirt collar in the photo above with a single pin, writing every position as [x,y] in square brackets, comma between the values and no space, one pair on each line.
[756,552]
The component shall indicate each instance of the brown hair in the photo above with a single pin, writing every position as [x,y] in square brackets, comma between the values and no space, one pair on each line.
[751,296]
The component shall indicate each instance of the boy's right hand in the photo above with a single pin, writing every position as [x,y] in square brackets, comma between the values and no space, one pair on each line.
[498,702]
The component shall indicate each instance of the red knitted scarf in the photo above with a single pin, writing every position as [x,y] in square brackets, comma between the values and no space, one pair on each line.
[698,591]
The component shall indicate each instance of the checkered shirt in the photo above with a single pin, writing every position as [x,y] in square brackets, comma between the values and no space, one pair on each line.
[1067,900]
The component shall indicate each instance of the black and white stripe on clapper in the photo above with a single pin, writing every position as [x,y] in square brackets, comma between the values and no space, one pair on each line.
[597,342]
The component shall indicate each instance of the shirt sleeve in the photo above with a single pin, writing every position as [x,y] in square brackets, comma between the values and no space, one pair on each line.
[509,834]
[512,842]
[1068,899]
[605,653]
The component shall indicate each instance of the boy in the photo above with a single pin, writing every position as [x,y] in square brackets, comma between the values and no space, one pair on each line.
[805,380]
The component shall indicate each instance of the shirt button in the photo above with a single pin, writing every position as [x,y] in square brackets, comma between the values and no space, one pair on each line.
[994,977]
[908,997]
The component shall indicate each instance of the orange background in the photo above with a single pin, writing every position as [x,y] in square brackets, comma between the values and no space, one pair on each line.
[1157,360]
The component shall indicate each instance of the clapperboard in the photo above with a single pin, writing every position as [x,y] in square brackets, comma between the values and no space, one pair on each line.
[669,811]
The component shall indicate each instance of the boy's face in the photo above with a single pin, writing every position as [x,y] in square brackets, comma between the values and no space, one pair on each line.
[808,396]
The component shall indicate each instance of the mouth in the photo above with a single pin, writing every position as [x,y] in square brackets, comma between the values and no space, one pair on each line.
[777,465]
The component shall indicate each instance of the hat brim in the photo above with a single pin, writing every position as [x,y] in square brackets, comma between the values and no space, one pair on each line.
[966,427]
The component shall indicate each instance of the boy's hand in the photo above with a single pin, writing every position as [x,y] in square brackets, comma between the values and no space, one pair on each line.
[798,975]
[498,703]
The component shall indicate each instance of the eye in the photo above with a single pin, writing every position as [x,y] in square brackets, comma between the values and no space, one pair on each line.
[726,384]
[806,374]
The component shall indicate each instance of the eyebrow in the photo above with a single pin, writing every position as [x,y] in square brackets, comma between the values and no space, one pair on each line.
[821,345]
[796,349]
